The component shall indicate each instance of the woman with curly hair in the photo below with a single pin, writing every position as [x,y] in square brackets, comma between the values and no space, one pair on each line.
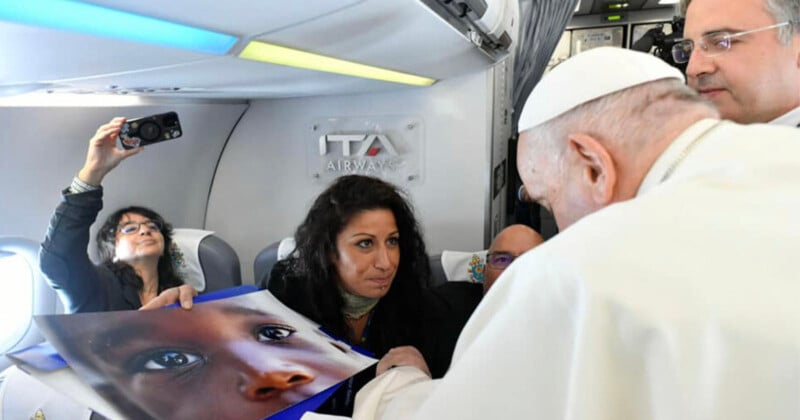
[134,243]
[359,267]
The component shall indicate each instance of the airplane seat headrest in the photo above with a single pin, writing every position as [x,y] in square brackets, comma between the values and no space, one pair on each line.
[447,266]
[24,292]
[266,259]
[457,266]
[204,260]
[438,275]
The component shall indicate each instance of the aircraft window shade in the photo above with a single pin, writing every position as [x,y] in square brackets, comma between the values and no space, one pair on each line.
[16,299]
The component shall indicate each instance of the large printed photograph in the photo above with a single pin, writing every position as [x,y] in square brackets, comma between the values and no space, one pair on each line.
[244,357]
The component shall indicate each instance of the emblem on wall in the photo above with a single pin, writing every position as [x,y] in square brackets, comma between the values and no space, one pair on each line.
[388,147]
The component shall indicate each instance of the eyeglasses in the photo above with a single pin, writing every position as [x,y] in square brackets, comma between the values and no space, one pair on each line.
[713,44]
[499,260]
[130,228]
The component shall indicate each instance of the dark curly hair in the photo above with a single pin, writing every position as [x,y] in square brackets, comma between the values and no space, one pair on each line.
[397,313]
[106,242]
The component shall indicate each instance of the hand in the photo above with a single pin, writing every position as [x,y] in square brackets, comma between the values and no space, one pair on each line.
[103,154]
[403,356]
[183,294]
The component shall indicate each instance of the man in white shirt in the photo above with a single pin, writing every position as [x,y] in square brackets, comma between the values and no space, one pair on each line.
[744,56]
[671,291]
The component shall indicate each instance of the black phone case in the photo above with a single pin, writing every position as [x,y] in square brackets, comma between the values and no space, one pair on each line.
[148,130]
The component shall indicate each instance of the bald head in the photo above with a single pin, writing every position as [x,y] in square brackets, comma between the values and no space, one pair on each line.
[514,241]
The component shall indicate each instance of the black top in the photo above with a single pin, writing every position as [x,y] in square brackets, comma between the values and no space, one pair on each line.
[450,306]
[294,291]
[445,310]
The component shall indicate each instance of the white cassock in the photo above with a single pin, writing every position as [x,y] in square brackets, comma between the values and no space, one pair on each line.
[683,303]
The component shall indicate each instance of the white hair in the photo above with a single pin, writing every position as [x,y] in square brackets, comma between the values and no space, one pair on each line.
[625,121]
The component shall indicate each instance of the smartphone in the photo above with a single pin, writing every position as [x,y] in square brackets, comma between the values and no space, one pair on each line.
[148,130]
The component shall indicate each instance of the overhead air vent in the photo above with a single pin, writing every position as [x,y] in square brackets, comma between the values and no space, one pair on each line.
[492,25]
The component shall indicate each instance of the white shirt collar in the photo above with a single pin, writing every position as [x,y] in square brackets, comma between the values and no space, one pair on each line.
[672,153]
[791,118]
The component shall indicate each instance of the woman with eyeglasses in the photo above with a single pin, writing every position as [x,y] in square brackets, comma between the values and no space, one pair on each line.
[134,243]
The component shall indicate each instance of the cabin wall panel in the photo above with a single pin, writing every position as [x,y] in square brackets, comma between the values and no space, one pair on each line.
[42,148]
[262,191]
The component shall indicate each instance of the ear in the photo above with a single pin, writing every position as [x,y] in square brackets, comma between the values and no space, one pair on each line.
[597,170]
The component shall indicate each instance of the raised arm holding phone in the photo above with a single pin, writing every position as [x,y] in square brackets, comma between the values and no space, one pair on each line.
[134,243]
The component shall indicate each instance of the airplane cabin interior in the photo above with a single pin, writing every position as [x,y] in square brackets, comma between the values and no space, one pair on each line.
[275,100]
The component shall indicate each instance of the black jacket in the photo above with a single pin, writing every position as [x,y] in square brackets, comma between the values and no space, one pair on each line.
[445,310]
[63,259]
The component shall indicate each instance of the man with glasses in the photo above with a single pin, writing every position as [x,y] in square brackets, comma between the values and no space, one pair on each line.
[452,303]
[509,244]
[744,56]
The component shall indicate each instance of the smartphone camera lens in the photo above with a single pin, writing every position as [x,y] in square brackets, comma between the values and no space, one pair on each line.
[149,131]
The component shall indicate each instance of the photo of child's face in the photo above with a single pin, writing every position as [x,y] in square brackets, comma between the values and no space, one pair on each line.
[245,357]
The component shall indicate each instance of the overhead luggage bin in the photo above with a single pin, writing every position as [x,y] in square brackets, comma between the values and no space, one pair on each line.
[422,38]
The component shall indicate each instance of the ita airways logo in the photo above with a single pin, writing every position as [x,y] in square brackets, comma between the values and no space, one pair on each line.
[371,145]
[388,147]
[369,154]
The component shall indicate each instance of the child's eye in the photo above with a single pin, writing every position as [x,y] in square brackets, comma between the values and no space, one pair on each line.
[270,333]
[169,359]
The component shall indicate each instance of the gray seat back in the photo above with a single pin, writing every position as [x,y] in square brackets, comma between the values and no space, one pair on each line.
[220,264]
[205,260]
[438,275]
[262,265]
